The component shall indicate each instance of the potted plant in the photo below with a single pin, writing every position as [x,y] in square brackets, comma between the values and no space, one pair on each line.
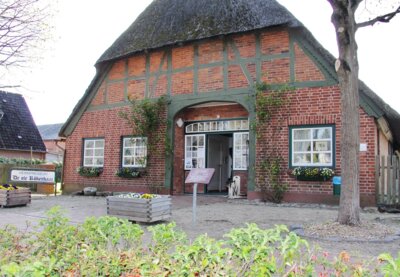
[11,195]
[128,172]
[312,173]
[140,207]
[86,171]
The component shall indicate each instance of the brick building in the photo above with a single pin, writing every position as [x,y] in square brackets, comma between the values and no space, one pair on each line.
[206,58]
[55,145]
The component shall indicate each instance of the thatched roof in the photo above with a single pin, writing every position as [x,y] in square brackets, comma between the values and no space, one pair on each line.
[167,22]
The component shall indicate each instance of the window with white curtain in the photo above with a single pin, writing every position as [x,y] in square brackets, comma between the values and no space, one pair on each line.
[195,151]
[134,152]
[312,146]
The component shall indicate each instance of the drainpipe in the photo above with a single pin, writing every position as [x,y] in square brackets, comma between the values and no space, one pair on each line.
[63,162]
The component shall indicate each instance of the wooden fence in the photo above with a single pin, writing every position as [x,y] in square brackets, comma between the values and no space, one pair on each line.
[387,177]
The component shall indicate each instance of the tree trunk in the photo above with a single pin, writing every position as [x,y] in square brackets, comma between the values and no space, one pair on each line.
[343,18]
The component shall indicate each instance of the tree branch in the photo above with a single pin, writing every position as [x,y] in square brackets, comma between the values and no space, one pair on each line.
[383,18]
[5,86]
[22,30]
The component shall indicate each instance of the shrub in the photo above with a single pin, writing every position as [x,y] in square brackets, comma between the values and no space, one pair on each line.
[108,246]
[20,161]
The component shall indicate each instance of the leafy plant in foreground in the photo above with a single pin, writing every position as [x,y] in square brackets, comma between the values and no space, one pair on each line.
[108,246]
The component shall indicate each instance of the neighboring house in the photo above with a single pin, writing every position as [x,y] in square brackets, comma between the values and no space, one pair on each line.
[206,57]
[55,145]
[19,136]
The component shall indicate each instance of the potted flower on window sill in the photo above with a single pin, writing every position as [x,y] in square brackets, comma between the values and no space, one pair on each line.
[86,171]
[312,173]
[129,172]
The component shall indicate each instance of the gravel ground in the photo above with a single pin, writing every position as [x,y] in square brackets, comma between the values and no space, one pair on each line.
[216,216]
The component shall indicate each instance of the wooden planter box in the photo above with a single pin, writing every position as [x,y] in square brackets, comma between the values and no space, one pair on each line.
[140,210]
[18,197]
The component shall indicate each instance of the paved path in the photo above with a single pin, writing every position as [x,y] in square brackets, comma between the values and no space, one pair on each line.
[215,216]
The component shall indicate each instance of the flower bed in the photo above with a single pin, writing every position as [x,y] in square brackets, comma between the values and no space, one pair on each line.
[11,195]
[140,207]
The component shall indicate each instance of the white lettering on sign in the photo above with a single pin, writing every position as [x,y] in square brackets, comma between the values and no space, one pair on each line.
[32,176]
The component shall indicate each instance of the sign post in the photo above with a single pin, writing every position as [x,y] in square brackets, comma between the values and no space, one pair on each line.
[194,203]
[198,176]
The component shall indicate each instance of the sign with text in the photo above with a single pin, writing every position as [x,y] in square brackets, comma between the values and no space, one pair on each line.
[200,176]
[32,176]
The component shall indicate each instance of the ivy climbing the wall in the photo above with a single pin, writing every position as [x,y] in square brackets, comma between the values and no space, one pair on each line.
[147,118]
[269,100]
[271,187]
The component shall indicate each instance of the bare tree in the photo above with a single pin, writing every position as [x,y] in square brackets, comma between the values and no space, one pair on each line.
[22,28]
[344,21]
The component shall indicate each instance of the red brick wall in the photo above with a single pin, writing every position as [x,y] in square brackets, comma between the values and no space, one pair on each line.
[314,106]
[210,79]
[319,105]
[109,125]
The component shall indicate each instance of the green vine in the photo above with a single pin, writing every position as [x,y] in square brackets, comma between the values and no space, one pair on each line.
[145,118]
[269,99]
[267,103]
[271,187]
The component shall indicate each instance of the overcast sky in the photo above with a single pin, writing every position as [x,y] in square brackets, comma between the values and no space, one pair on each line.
[85,29]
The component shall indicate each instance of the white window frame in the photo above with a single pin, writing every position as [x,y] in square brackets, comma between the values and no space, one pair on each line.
[137,159]
[93,156]
[244,151]
[200,153]
[217,126]
[312,151]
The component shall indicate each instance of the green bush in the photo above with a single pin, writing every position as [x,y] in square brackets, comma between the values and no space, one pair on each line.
[20,161]
[108,246]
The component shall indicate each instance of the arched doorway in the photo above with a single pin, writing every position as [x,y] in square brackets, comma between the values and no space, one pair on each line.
[213,135]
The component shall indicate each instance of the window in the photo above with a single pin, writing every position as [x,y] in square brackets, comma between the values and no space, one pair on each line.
[240,151]
[134,152]
[195,151]
[312,146]
[218,126]
[93,152]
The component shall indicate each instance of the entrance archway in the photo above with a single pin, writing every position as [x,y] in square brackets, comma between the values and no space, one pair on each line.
[214,135]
